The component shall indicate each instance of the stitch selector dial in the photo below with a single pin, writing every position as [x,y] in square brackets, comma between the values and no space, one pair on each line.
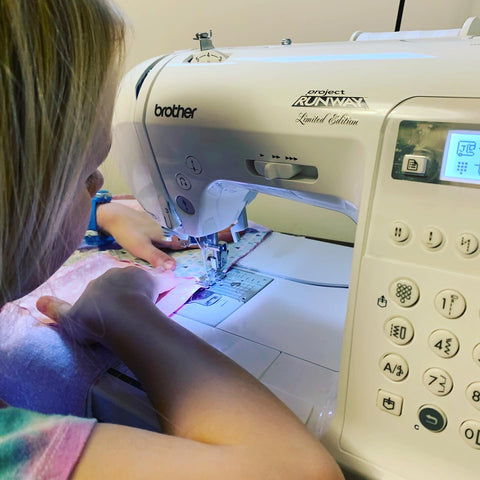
[208,56]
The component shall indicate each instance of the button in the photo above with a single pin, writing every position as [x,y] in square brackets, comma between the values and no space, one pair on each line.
[405,292]
[438,381]
[476,354]
[183,182]
[389,402]
[473,394]
[193,164]
[399,232]
[399,330]
[467,244]
[273,170]
[432,237]
[414,165]
[450,303]
[394,367]
[470,432]
[185,204]
[444,343]
[432,418]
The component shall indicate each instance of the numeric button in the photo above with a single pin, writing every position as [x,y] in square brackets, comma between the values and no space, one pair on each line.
[470,432]
[473,394]
[450,303]
[438,381]
[444,343]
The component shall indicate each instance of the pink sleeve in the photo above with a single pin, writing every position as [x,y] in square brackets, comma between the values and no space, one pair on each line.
[66,446]
[35,446]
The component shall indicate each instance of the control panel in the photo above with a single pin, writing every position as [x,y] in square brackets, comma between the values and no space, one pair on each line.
[438,152]
[413,398]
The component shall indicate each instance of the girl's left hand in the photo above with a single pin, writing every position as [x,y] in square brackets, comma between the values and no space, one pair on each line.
[137,232]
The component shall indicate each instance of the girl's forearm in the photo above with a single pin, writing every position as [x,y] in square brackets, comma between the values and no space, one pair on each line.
[198,392]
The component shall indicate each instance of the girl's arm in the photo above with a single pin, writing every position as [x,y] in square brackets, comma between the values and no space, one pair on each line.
[220,422]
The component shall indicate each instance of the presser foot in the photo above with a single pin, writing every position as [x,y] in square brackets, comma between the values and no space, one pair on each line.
[211,277]
[214,258]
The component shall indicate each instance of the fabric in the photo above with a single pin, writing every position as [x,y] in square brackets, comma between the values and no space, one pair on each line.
[40,447]
[72,279]
[43,370]
[190,262]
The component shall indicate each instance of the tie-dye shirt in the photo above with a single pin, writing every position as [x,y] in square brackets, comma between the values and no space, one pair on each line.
[34,446]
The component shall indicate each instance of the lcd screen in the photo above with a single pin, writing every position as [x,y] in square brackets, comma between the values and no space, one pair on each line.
[461,157]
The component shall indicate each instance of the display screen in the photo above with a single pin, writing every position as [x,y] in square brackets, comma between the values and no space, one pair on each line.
[461,157]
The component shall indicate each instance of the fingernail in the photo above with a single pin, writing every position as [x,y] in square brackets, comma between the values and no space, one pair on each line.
[169,265]
[48,322]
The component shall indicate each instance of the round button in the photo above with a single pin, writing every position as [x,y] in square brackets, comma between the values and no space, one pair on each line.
[399,232]
[470,432]
[183,181]
[399,330]
[432,418]
[450,303]
[432,237]
[444,343]
[476,354]
[473,394]
[467,243]
[185,204]
[193,164]
[405,292]
[438,381]
[394,367]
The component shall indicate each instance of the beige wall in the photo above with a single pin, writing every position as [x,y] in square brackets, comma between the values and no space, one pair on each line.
[162,26]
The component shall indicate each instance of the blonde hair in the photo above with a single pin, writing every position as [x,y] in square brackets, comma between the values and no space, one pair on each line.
[55,56]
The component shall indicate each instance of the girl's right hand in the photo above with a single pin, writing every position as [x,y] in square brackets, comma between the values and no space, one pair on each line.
[89,320]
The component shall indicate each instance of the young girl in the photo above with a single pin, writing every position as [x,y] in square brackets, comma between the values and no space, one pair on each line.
[58,74]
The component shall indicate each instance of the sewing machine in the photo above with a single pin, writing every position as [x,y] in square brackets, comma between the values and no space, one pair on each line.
[384,128]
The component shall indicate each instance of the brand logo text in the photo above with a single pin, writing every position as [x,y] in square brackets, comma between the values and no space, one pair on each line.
[174,111]
[329,99]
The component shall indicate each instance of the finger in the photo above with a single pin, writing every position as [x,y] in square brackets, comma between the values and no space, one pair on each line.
[177,243]
[53,307]
[154,256]
[160,259]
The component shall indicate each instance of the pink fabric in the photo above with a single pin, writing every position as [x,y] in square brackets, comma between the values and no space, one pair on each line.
[71,280]
[41,368]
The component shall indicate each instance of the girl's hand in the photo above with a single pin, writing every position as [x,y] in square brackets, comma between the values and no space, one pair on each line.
[137,232]
[90,319]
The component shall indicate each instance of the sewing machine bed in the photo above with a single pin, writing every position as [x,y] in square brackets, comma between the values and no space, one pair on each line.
[288,334]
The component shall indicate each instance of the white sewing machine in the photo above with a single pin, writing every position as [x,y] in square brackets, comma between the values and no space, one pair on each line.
[384,128]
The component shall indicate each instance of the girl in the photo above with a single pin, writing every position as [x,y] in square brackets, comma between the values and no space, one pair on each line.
[58,71]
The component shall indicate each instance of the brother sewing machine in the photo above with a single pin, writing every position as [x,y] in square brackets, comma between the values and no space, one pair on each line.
[384,128]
